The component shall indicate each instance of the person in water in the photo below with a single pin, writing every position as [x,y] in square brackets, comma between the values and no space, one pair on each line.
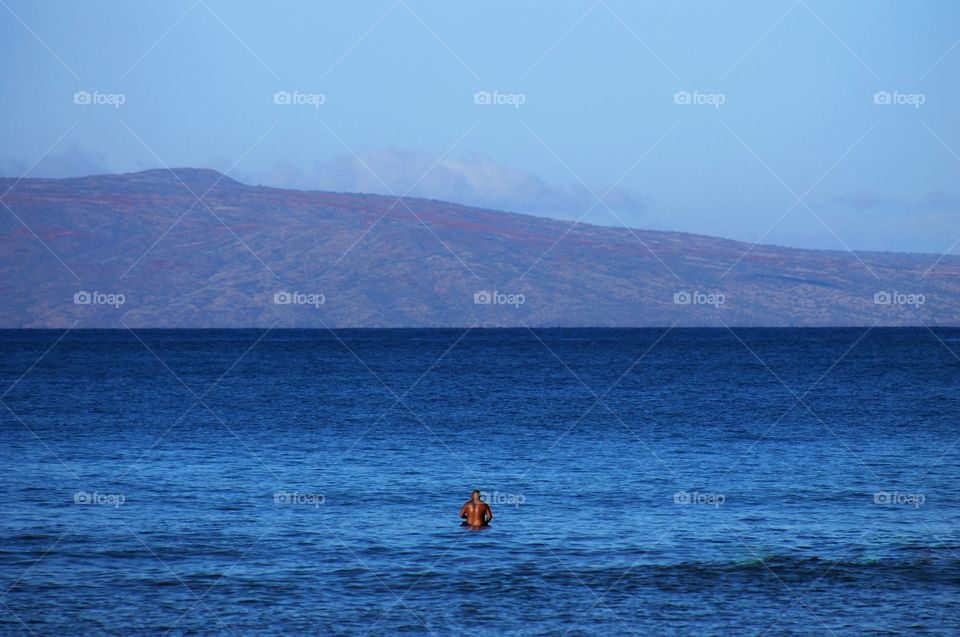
[476,513]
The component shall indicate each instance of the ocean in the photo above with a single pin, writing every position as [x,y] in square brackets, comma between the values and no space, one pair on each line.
[654,481]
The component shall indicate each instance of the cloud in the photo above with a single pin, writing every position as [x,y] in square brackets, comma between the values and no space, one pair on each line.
[74,162]
[861,201]
[472,179]
[935,201]
[868,220]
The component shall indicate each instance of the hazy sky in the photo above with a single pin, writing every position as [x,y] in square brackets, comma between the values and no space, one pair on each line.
[749,120]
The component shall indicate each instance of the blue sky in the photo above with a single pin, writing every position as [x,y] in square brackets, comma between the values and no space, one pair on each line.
[747,120]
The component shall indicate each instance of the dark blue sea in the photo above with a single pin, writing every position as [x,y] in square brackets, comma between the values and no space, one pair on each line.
[650,482]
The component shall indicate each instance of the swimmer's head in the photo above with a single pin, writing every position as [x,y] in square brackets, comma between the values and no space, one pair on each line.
[475,495]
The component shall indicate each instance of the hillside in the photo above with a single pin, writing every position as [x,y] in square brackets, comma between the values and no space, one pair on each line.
[358,260]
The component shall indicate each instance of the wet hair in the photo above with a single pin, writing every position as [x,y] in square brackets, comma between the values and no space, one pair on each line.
[477,491]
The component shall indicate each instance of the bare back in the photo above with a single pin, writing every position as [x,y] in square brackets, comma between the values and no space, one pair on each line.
[476,514]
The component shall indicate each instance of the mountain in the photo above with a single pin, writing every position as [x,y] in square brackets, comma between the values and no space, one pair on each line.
[194,248]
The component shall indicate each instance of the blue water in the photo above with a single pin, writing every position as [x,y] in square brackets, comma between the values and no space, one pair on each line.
[307,482]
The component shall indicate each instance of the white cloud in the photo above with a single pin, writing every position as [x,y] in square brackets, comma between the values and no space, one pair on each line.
[473,179]
[73,162]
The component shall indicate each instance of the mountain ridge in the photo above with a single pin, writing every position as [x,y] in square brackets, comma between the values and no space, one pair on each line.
[384,261]
[166,174]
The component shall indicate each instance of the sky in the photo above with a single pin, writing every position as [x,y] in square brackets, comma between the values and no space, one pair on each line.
[806,123]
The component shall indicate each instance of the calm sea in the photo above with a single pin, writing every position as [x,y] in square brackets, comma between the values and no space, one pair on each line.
[644,482]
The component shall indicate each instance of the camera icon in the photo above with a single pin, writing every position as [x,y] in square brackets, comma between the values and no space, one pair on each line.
[482,97]
[282,298]
[882,298]
[281,497]
[682,298]
[81,497]
[882,497]
[82,97]
[882,97]
[482,297]
[282,97]
[82,298]
[682,497]
[682,97]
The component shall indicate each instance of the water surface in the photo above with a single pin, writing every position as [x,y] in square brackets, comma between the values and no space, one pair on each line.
[642,481]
